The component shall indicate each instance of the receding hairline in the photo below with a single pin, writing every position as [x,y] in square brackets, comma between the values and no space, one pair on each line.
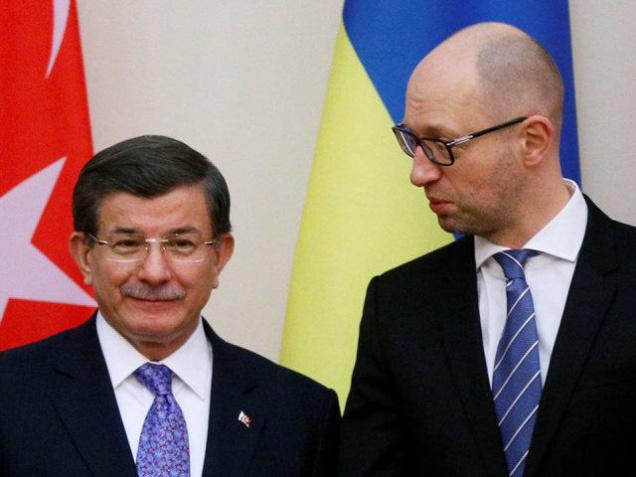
[513,73]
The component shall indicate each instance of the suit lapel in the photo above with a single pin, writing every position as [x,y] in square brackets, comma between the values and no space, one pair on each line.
[84,398]
[231,443]
[590,295]
[464,349]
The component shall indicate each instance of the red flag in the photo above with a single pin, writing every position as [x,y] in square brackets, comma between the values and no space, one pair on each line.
[44,141]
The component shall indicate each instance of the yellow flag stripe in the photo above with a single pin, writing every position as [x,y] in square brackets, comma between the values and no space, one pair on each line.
[361,217]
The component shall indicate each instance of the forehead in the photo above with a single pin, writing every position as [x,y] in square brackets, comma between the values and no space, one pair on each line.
[442,95]
[183,207]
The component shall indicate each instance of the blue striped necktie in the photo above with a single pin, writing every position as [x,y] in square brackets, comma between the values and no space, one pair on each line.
[516,382]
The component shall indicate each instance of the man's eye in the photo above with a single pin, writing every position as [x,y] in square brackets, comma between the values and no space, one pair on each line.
[181,245]
[127,245]
[439,147]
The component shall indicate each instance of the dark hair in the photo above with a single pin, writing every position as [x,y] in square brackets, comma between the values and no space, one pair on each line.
[148,166]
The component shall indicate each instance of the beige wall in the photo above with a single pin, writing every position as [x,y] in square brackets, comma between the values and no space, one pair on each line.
[604,46]
[245,87]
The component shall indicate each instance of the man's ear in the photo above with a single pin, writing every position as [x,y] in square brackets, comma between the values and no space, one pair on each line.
[537,139]
[79,250]
[224,250]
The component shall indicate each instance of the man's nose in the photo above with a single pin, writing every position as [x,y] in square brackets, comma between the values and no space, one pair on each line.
[423,171]
[155,267]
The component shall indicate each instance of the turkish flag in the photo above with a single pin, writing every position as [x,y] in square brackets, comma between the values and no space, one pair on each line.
[44,141]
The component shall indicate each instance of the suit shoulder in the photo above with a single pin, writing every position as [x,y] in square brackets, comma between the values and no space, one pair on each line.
[625,242]
[36,353]
[275,374]
[456,251]
[625,233]
[606,233]
[27,369]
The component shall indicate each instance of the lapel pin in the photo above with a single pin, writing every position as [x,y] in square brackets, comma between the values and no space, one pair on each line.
[245,419]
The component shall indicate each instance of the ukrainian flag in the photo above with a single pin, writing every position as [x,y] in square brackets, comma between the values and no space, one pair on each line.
[361,215]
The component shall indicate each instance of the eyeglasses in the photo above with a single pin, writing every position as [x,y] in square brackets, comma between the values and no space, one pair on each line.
[127,248]
[437,150]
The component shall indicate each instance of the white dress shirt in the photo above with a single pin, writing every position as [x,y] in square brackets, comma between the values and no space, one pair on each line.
[548,274]
[191,385]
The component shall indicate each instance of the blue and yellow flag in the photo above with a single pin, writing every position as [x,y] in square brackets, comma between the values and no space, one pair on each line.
[361,215]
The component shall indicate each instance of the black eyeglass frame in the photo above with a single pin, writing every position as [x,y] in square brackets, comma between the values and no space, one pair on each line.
[402,129]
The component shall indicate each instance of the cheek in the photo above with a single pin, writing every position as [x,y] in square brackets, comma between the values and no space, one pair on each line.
[106,280]
[198,283]
[485,179]
[474,184]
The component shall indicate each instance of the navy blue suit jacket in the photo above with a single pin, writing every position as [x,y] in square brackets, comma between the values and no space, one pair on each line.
[420,401]
[59,416]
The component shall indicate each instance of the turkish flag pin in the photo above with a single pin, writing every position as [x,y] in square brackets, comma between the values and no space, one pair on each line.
[245,419]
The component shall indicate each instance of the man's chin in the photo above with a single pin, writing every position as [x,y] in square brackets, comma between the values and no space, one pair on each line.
[148,318]
[448,224]
[158,331]
[149,325]
[458,229]
[156,344]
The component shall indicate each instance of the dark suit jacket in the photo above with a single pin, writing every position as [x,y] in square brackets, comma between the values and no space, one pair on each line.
[420,400]
[59,416]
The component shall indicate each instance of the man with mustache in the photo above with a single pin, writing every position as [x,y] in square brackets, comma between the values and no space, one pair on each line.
[511,351]
[146,387]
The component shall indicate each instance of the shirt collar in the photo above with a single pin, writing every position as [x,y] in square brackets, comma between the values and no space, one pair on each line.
[192,363]
[561,237]
[122,359]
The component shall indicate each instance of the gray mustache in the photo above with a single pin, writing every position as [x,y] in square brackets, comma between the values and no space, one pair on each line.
[145,292]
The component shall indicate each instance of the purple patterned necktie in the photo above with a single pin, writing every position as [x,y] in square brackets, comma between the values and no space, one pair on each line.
[163,444]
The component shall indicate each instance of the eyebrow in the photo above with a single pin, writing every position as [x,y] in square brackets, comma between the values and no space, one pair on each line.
[184,230]
[176,231]
[438,130]
[433,131]
[126,230]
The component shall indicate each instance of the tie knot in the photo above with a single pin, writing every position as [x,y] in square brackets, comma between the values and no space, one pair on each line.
[156,377]
[513,261]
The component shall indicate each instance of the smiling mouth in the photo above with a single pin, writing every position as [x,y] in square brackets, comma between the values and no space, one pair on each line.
[152,299]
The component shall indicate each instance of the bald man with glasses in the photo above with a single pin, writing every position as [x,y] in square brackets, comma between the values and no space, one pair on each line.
[511,351]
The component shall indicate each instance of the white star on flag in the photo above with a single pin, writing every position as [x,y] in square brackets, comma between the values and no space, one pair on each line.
[27,273]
